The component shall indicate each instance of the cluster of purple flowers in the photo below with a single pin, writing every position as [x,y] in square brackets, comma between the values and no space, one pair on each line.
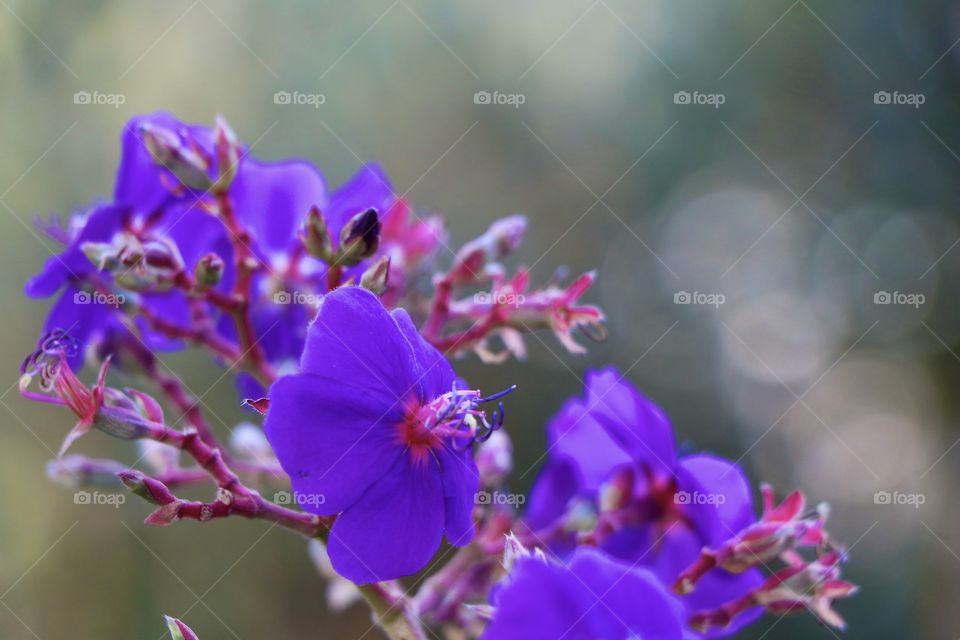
[388,452]
[160,242]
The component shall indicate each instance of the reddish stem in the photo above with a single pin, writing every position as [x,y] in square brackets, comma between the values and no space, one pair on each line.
[204,337]
[243,501]
[188,284]
[247,263]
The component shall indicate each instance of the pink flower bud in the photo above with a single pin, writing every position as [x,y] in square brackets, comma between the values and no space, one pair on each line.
[227,148]
[150,489]
[209,270]
[375,278]
[316,236]
[178,630]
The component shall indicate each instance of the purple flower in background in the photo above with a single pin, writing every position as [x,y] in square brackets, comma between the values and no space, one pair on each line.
[271,198]
[614,449]
[593,597]
[67,271]
[279,316]
[375,429]
[162,200]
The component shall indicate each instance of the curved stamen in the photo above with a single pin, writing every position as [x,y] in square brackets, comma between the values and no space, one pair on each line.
[498,395]
[457,414]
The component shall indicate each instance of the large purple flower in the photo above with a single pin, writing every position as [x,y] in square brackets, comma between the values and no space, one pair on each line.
[614,449]
[375,429]
[592,597]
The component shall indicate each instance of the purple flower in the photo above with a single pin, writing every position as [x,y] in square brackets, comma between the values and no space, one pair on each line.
[162,196]
[613,450]
[592,597]
[72,313]
[280,320]
[375,429]
[88,307]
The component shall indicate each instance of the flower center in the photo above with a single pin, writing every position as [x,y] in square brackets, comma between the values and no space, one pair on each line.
[454,417]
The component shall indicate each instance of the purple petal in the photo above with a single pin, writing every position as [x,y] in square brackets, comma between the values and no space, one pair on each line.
[81,321]
[435,375]
[138,178]
[333,444]
[593,597]
[724,478]
[99,226]
[394,529]
[574,433]
[273,199]
[197,233]
[637,424]
[174,307]
[355,342]
[460,483]
[621,587]
[368,188]
[539,601]
[56,271]
[557,483]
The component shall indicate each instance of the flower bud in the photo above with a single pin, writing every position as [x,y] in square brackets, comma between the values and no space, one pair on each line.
[228,154]
[316,236]
[167,150]
[146,405]
[150,489]
[499,240]
[507,234]
[359,238]
[121,423]
[178,630]
[209,270]
[376,276]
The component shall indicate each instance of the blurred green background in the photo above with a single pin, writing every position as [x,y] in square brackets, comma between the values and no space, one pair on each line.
[800,198]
